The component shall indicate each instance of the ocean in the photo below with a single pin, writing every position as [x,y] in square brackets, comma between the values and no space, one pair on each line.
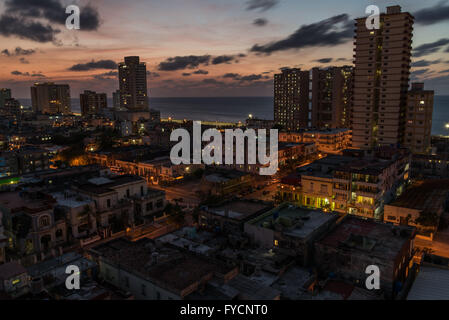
[234,109]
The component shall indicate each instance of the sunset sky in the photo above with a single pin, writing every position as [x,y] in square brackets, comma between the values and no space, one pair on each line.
[199,47]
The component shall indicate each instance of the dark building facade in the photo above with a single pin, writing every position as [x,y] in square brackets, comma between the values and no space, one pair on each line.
[291,99]
[133,84]
[51,98]
[92,103]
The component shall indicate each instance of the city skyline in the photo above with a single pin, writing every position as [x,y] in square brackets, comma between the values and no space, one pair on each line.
[198,53]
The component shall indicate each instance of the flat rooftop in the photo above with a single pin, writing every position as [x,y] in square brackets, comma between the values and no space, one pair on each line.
[423,195]
[19,200]
[71,199]
[431,283]
[375,238]
[293,283]
[105,185]
[294,221]
[173,269]
[239,209]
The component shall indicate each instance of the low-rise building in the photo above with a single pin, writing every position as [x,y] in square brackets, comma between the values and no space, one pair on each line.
[225,182]
[355,244]
[121,200]
[291,229]
[231,215]
[152,272]
[32,225]
[420,206]
[331,141]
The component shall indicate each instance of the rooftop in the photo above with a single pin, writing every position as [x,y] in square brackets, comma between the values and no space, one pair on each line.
[431,283]
[239,209]
[164,265]
[294,221]
[424,195]
[377,239]
[105,185]
[22,201]
[71,199]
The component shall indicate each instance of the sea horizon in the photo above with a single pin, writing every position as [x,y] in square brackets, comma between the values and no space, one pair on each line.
[235,109]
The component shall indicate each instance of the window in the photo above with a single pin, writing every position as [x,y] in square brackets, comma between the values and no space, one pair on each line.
[44,221]
[144,290]
[108,203]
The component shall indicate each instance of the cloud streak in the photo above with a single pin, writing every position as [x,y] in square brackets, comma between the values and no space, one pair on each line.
[330,32]
[429,48]
[93,65]
[261,5]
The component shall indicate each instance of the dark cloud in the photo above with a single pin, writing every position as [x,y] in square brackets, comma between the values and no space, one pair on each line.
[18,51]
[201,72]
[429,48]
[261,5]
[26,29]
[212,81]
[323,60]
[186,74]
[444,71]
[192,62]
[153,74]
[330,32]
[39,75]
[18,73]
[181,63]
[27,74]
[432,15]
[260,22]
[35,20]
[223,59]
[101,64]
[342,59]
[106,75]
[24,61]
[419,72]
[53,11]
[425,63]
[251,77]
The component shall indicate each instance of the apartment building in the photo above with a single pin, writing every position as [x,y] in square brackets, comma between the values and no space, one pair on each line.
[354,184]
[133,84]
[381,79]
[418,130]
[51,98]
[330,141]
[331,97]
[291,99]
[92,103]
